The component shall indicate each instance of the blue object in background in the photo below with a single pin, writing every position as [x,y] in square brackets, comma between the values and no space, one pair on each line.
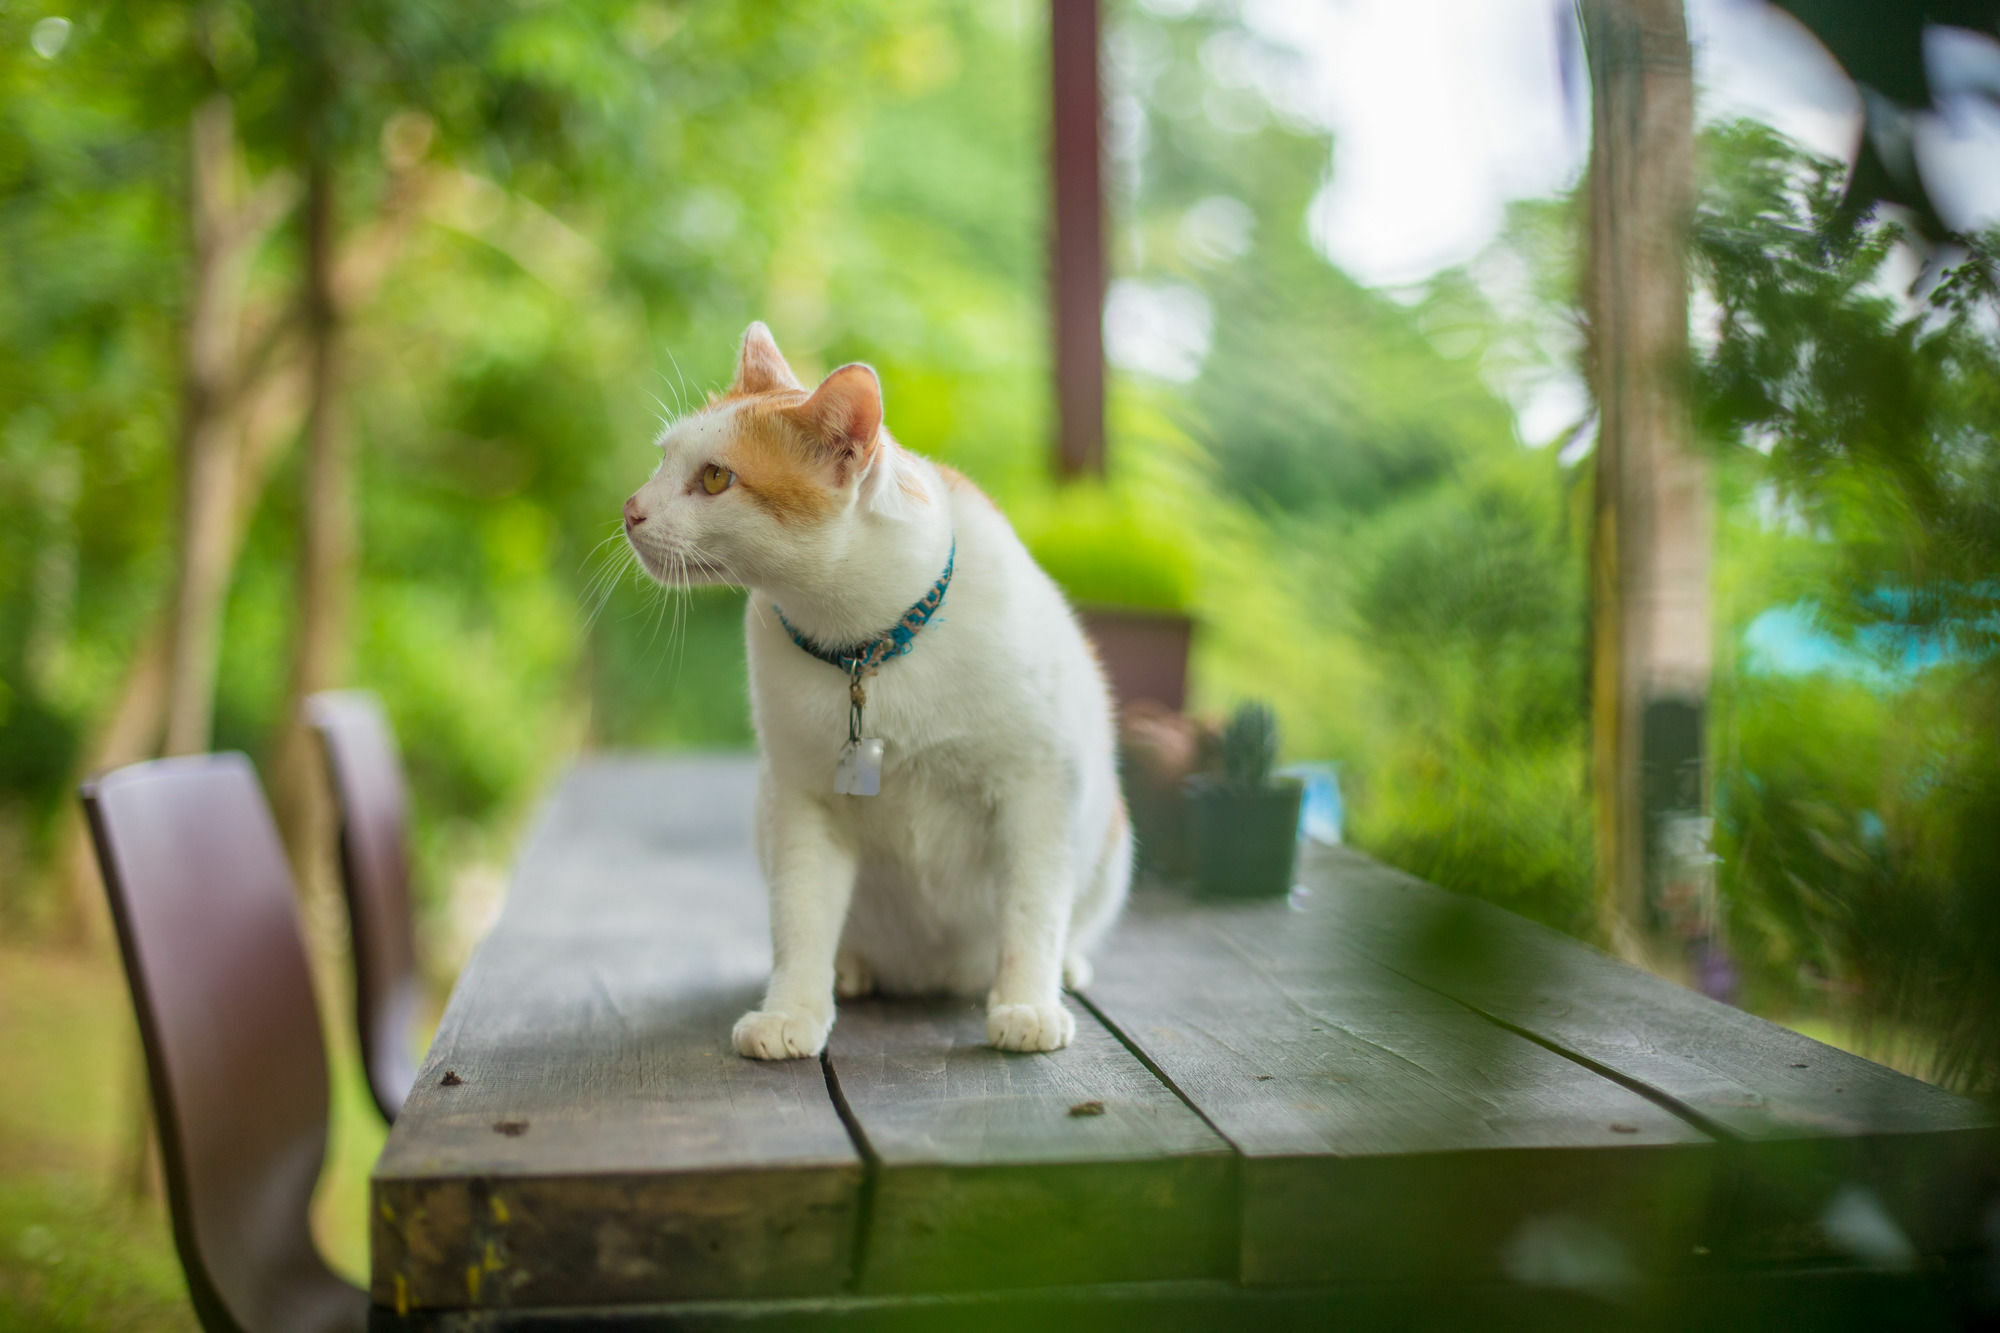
[1793,640]
[1320,812]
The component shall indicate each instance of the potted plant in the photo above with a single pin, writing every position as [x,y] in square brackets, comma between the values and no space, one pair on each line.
[1245,821]
[1158,751]
[1131,582]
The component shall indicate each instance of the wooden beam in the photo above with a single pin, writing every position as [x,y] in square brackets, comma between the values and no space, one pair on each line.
[1077,272]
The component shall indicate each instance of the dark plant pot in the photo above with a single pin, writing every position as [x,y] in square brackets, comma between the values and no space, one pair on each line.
[1244,841]
[1160,825]
[1145,653]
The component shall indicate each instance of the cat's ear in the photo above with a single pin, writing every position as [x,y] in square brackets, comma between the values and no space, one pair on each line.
[844,414]
[760,366]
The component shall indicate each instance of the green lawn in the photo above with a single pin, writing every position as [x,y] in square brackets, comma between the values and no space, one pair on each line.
[76,1251]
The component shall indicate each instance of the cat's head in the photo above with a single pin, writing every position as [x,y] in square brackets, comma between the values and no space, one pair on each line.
[766,479]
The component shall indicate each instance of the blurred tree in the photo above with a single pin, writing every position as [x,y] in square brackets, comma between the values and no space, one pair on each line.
[326,558]
[1650,650]
[1860,821]
[534,216]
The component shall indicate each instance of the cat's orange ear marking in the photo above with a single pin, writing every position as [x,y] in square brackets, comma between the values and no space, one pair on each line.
[958,481]
[760,366]
[844,413]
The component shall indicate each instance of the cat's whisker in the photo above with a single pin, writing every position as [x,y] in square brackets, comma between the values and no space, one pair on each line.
[681,375]
[657,619]
[604,580]
[617,531]
[627,563]
[605,551]
[606,571]
[677,635]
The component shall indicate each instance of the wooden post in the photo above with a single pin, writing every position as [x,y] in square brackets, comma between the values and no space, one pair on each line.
[1650,635]
[1077,262]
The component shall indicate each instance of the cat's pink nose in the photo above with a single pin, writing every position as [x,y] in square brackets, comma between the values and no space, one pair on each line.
[634,515]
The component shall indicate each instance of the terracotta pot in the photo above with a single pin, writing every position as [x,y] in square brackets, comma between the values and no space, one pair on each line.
[1145,653]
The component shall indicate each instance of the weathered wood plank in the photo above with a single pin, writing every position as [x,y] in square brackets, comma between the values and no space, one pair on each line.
[599,1144]
[581,1130]
[1387,1131]
[994,1170]
[1818,1299]
[1815,1123]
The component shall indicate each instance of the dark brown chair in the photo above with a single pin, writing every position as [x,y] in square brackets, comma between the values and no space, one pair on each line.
[203,902]
[367,782]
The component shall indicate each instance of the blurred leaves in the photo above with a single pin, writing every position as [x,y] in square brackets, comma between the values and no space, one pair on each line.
[605,193]
[1858,818]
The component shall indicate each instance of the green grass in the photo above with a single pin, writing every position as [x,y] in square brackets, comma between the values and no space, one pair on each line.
[77,1253]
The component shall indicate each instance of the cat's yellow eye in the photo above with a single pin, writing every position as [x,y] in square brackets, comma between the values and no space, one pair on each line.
[715,480]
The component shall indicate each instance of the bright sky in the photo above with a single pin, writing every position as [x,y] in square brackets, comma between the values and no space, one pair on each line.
[1445,111]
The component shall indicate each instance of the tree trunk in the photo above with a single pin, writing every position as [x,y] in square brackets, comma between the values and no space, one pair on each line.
[267,414]
[207,470]
[326,565]
[1650,635]
[167,699]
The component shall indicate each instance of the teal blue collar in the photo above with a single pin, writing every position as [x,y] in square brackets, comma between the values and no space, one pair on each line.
[855,659]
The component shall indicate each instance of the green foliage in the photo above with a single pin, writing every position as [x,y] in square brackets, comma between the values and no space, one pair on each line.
[1317,396]
[1857,824]
[1249,747]
[611,190]
[1102,550]
[1373,550]
[615,189]
[1471,603]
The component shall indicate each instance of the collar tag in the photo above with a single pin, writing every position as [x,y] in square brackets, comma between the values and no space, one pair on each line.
[858,772]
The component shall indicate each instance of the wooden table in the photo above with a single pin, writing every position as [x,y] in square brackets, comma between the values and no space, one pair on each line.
[1372,1097]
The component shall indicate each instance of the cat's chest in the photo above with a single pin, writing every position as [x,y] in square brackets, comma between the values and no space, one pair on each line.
[815,722]
[941,728]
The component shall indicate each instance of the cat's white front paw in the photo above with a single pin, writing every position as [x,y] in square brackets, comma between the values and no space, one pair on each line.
[780,1034]
[1029,1027]
[1077,972]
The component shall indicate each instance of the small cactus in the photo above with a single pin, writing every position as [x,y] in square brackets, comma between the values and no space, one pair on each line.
[1250,747]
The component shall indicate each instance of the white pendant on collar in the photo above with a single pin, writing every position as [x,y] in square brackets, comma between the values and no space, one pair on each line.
[859,772]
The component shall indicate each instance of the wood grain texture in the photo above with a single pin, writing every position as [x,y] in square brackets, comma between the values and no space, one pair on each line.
[996,1170]
[1374,1100]
[1822,1300]
[1812,1124]
[581,1129]
[1387,1131]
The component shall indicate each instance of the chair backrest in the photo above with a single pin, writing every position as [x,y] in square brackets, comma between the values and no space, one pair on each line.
[367,782]
[203,902]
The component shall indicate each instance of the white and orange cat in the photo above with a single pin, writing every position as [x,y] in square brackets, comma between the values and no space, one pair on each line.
[996,852]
